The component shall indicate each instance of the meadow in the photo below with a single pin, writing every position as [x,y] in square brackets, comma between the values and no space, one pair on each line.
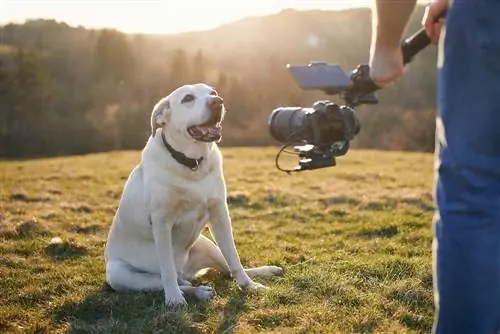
[354,241]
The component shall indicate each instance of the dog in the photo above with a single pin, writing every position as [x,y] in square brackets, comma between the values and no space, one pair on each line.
[175,191]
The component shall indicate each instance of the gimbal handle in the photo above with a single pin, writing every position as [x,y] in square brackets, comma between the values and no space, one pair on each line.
[414,44]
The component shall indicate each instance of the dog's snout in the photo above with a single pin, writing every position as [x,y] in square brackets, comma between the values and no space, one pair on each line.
[215,106]
[216,102]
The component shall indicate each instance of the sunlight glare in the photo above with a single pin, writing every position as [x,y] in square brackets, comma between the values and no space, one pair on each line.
[155,16]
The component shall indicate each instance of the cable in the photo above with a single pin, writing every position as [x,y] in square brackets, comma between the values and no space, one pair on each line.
[288,171]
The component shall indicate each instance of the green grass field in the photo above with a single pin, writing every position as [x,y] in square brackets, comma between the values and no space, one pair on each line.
[354,240]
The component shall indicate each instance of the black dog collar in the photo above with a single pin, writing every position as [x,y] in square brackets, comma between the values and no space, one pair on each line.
[192,164]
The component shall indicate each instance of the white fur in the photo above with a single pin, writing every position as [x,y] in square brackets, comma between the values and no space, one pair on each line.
[155,240]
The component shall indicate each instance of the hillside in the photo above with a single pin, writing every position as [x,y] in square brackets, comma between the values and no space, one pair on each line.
[96,88]
[354,240]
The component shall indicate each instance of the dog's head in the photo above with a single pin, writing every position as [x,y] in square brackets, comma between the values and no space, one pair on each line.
[195,111]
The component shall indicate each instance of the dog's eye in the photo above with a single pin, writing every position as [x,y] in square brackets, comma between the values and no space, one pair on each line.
[188,98]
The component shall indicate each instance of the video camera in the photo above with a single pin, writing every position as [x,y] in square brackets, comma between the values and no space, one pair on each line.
[326,129]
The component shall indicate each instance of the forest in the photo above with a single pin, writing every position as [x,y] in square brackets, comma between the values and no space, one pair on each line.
[68,90]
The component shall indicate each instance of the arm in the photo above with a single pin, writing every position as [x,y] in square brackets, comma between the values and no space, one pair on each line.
[389,19]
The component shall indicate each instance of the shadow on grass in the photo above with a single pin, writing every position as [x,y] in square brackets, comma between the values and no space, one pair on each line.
[231,312]
[384,232]
[108,311]
[65,251]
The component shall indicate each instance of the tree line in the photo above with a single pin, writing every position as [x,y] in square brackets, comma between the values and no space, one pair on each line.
[70,90]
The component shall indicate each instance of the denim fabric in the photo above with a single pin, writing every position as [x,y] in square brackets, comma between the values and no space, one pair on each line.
[467,189]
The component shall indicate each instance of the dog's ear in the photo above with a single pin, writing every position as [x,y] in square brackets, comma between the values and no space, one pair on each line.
[160,115]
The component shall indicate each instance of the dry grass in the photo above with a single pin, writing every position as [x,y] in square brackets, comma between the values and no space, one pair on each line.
[355,241]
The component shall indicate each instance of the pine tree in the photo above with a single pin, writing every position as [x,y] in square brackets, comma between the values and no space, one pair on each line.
[113,58]
[199,67]
[5,109]
[179,70]
[31,113]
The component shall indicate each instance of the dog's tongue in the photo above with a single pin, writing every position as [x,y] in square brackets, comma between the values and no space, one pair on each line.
[206,133]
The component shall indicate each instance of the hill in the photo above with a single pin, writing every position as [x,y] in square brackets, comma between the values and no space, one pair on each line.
[354,240]
[93,90]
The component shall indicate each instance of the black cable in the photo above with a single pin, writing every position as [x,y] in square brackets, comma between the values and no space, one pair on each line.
[288,143]
[288,171]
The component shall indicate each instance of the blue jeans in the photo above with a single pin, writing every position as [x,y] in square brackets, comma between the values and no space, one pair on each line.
[466,227]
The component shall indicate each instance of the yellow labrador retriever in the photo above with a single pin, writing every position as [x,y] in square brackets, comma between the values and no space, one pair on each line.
[177,189]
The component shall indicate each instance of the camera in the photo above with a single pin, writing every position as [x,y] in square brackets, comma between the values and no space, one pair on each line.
[326,125]
[321,133]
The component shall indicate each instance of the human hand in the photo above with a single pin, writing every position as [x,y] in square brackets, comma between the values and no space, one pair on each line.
[386,66]
[433,20]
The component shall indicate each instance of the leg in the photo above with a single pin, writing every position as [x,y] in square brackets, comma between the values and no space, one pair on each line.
[467,226]
[121,277]
[162,233]
[467,253]
[205,254]
[264,271]
[202,292]
[221,230]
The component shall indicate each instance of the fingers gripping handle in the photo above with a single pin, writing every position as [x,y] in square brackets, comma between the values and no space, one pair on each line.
[363,85]
[410,47]
[416,43]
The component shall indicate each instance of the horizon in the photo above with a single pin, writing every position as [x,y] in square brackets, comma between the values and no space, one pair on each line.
[155,16]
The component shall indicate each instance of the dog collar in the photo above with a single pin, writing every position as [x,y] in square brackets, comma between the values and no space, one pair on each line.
[192,164]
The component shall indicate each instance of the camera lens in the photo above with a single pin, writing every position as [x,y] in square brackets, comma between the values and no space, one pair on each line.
[286,121]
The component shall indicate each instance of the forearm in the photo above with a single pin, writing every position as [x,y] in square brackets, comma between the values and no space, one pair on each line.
[389,19]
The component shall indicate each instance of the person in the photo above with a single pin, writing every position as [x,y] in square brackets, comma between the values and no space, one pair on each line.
[466,226]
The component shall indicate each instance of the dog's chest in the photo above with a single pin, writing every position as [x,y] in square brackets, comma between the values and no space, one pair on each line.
[188,199]
[190,211]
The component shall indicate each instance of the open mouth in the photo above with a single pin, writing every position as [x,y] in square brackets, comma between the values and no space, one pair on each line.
[211,130]
[207,132]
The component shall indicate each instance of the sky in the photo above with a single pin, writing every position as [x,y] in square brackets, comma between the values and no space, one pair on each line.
[156,16]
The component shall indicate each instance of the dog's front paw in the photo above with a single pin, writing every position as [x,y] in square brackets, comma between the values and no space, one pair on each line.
[203,293]
[174,299]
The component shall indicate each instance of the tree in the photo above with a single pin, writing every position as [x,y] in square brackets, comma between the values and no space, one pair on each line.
[30,114]
[113,58]
[5,111]
[222,84]
[179,70]
[199,67]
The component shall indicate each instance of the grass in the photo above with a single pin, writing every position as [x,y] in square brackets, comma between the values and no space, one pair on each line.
[354,240]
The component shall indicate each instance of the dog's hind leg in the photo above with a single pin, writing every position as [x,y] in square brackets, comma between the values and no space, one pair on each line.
[205,254]
[202,292]
[264,271]
[202,256]
[122,277]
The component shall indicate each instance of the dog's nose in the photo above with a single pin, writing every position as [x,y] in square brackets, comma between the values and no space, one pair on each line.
[215,106]
[216,102]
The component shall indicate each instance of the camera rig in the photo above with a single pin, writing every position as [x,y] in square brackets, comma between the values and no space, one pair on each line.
[326,130]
